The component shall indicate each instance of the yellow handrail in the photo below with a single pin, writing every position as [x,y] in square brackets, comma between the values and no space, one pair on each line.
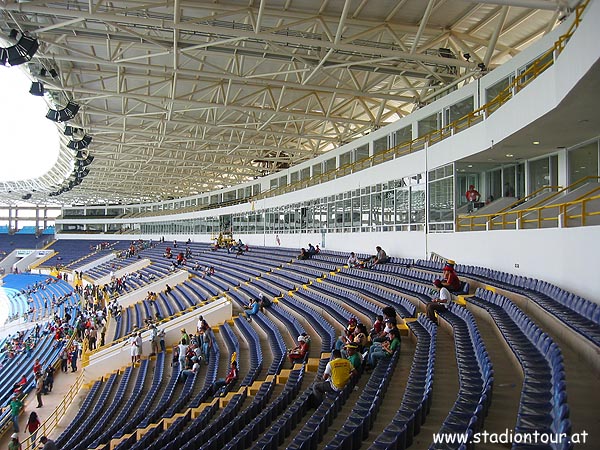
[52,421]
[539,218]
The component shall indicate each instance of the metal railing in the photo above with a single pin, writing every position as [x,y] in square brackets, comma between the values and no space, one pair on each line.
[559,214]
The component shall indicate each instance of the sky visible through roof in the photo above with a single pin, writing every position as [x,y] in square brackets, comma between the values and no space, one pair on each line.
[30,142]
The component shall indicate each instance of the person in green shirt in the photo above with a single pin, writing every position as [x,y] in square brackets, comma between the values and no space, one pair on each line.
[15,406]
[14,443]
[353,356]
[387,348]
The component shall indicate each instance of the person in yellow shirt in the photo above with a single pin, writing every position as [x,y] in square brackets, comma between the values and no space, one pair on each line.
[337,374]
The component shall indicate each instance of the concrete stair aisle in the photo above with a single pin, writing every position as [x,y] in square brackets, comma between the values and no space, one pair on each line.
[445,389]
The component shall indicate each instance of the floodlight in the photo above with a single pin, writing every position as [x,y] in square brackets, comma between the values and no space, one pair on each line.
[65,114]
[19,53]
[37,89]
[80,144]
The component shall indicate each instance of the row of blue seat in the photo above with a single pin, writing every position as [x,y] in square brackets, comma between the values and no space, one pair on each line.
[475,374]
[232,428]
[580,314]
[69,440]
[256,356]
[260,422]
[317,322]
[404,307]
[417,399]
[420,291]
[543,406]
[127,409]
[364,412]
[142,409]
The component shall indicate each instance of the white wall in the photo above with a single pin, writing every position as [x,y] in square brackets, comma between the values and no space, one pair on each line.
[564,257]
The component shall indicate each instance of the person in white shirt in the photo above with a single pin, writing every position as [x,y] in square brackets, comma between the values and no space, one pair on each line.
[353,260]
[439,303]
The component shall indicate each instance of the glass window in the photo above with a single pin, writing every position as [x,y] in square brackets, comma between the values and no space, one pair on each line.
[330,165]
[345,159]
[583,162]
[428,124]
[402,206]
[495,89]
[417,204]
[294,177]
[380,145]
[305,173]
[361,152]
[317,169]
[403,135]
[460,109]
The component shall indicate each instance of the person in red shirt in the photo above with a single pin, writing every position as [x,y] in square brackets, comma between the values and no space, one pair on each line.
[299,352]
[472,197]
[37,367]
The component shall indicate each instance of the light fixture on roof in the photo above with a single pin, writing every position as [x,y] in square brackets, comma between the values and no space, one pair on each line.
[19,53]
[37,89]
[80,144]
[536,142]
[65,114]
[509,155]
[85,162]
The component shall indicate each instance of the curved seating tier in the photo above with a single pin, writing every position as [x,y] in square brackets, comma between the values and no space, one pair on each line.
[543,406]
[417,399]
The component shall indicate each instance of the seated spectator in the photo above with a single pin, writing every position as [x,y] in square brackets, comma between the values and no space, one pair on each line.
[337,374]
[378,326]
[348,336]
[353,261]
[439,303]
[252,309]
[299,352]
[450,279]
[353,356]
[317,249]
[263,301]
[303,254]
[380,257]
[386,349]
[222,385]
[311,250]
[194,370]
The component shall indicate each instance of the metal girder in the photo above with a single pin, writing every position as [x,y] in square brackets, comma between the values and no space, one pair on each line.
[188,93]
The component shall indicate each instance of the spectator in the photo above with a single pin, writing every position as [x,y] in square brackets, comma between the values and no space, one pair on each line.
[450,279]
[380,257]
[134,347]
[353,356]
[299,352]
[263,301]
[48,444]
[439,303]
[353,261]
[14,443]
[378,326]
[221,386]
[161,340]
[252,309]
[348,336]
[15,406]
[33,423]
[303,254]
[386,349]
[472,197]
[39,388]
[193,371]
[311,250]
[205,343]
[337,374]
